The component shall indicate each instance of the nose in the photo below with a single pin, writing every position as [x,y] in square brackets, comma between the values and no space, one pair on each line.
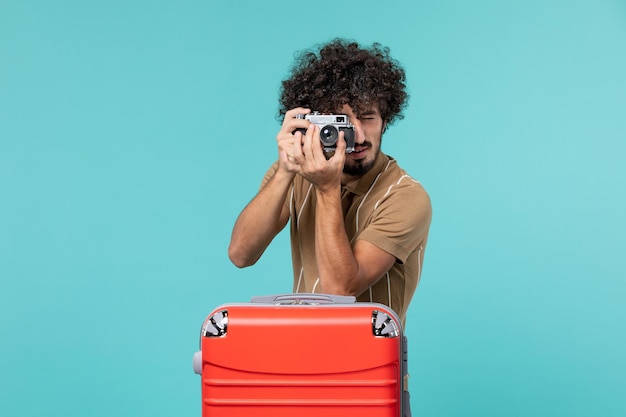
[359,135]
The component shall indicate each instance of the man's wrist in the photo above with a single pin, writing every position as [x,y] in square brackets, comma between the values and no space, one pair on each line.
[328,191]
[282,177]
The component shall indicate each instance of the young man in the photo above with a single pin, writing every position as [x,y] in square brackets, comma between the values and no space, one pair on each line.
[359,223]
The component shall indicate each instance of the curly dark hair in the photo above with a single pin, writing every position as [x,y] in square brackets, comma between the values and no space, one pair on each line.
[342,72]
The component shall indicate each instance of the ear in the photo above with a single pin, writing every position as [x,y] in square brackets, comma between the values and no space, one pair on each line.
[384,127]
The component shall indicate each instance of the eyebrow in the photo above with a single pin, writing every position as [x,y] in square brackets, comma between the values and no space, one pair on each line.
[369,113]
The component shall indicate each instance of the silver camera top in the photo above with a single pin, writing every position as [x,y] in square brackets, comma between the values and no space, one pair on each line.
[330,125]
[318,118]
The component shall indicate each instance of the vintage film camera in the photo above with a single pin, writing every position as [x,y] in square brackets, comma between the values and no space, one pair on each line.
[330,125]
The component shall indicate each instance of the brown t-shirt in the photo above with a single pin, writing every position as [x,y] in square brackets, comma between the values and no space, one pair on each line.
[385,207]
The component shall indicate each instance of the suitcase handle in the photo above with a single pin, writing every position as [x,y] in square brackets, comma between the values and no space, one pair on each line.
[304,298]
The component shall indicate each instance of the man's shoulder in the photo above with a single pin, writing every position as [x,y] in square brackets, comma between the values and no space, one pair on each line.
[401,201]
[397,188]
[398,178]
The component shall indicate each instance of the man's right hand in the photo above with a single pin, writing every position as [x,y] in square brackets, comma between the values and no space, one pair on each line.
[288,138]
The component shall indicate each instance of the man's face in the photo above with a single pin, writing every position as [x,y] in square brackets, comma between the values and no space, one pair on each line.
[368,131]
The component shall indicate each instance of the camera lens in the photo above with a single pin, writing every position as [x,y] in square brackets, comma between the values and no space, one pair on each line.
[329,135]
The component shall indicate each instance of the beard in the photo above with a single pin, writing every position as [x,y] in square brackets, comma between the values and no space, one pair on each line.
[360,167]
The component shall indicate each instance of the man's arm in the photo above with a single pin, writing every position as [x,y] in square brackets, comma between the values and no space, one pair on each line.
[260,221]
[267,214]
[342,269]
[400,227]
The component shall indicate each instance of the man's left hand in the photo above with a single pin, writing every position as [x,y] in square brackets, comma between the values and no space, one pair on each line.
[324,174]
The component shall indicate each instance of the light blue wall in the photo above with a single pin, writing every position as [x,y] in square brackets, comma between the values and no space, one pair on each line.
[133,132]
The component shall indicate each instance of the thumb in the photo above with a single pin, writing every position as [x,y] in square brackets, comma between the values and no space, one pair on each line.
[341,143]
[340,149]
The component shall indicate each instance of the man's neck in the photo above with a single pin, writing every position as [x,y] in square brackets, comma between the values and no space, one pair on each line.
[346,178]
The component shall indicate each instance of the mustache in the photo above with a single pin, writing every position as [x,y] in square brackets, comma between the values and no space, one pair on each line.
[365,144]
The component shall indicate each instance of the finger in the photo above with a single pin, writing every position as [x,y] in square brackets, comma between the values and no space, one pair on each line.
[288,162]
[341,143]
[286,141]
[292,114]
[292,126]
[340,151]
[294,139]
[317,150]
[298,155]
[338,155]
[307,143]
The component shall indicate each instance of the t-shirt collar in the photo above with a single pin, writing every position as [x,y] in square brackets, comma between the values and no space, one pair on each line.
[360,185]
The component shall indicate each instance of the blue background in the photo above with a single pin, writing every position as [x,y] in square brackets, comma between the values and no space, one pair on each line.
[133,132]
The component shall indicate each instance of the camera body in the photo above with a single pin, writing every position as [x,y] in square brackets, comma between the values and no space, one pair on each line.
[330,125]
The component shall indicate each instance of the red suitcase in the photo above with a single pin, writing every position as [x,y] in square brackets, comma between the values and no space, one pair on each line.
[302,355]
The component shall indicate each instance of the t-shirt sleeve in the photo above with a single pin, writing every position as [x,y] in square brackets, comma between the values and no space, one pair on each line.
[269,174]
[401,221]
